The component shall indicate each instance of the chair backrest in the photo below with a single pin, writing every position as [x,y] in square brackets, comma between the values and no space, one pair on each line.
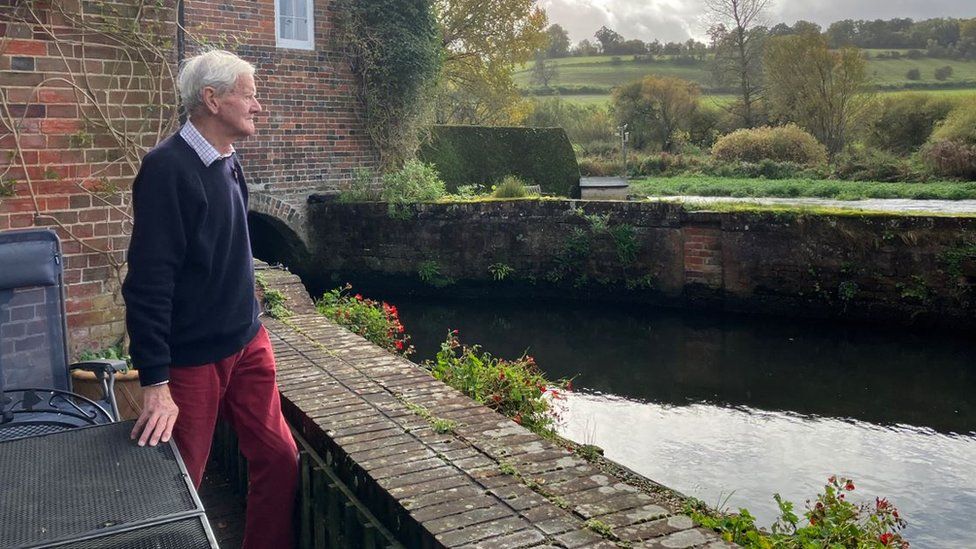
[33,338]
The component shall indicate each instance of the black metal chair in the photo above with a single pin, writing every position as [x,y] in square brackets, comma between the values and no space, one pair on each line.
[35,380]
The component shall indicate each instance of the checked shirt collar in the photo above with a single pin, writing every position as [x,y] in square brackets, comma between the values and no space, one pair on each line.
[207,153]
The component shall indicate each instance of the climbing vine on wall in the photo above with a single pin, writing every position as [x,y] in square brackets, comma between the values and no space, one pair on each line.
[396,54]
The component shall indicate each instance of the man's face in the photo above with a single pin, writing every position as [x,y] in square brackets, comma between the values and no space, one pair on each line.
[236,108]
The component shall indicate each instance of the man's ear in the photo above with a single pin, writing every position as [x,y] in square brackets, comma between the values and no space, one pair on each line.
[210,100]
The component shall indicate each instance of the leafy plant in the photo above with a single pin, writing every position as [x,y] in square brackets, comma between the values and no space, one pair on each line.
[500,271]
[115,352]
[625,238]
[430,272]
[415,182]
[377,321]
[361,188]
[831,521]
[438,424]
[274,300]
[510,187]
[516,388]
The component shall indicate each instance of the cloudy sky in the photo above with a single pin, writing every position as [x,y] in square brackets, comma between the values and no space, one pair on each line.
[677,20]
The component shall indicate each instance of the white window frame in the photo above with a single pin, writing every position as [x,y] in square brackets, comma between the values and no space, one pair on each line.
[291,43]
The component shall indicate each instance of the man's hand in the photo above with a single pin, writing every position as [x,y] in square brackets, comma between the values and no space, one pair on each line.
[155,423]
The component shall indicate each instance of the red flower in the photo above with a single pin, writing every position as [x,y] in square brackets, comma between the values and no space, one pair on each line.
[569,385]
[886,538]
[518,418]
[849,486]
[501,375]
[359,297]
[399,345]
[497,398]
[832,479]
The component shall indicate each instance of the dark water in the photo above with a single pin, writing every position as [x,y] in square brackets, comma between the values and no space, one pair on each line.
[734,409]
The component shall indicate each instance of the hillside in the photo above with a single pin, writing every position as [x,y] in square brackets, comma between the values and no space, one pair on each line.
[593,78]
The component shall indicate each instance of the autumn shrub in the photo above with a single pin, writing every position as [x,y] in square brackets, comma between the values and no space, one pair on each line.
[903,123]
[516,388]
[959,125]
[598,166]
[951,159]
[377,321]
[869,164]
[780,144]
[951,150]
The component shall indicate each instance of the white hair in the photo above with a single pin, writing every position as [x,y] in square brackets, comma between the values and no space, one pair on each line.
[217,69]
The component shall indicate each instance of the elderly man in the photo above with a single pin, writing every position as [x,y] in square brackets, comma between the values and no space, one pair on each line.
[189,292]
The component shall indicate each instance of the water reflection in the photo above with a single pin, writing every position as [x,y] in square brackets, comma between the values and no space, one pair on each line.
[729,407]
[882,377]
[739,457]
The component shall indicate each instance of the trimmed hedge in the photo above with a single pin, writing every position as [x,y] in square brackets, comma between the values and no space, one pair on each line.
[466,155]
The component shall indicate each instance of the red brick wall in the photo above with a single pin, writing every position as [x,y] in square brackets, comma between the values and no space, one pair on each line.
[310,135]
[59,87]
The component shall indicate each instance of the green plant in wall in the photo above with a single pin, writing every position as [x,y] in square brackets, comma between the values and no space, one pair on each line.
[955,257]
[429,271]
[847,290]
[625,239]
[916,290]
[274,300]
[500,271]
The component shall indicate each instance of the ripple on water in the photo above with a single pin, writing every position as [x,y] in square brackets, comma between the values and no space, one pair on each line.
[738,457]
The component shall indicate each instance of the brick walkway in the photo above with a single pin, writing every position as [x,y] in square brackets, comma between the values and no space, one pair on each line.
[489,483]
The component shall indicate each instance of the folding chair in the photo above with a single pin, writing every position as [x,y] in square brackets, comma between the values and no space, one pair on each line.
[35,380]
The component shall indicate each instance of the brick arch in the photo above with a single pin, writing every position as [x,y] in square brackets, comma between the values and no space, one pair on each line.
[288,213]
[278,233]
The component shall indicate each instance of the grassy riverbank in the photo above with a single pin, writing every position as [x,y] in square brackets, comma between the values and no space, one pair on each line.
[796,188]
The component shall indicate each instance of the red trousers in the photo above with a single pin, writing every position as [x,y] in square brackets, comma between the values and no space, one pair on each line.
[242,390]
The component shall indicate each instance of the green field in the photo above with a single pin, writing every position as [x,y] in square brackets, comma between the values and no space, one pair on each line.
[601,73]
[794,188]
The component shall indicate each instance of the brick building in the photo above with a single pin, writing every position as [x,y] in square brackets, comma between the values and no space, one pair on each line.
[79,106]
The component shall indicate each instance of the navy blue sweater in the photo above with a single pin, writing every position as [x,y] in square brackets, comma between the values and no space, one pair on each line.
[189,291]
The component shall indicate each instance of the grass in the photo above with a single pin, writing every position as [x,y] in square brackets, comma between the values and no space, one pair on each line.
[800,188]
[601,72]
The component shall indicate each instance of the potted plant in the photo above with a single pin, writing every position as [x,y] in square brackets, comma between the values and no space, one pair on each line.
[128,392]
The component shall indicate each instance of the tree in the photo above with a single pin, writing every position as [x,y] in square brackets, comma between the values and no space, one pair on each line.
[558,42]
[738,54]
[819,89]
[543,71]
[655,109]
[483,43]
[585,48]
[609,40]
[943,73]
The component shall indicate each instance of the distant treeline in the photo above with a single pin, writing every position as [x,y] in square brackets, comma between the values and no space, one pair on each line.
[948,38]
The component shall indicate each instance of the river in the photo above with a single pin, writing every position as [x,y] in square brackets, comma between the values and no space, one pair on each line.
[731,409]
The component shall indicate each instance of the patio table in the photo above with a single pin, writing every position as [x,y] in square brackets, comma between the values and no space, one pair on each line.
[93,488]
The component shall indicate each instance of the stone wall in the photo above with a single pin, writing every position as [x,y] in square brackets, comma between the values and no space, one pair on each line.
[859,266]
